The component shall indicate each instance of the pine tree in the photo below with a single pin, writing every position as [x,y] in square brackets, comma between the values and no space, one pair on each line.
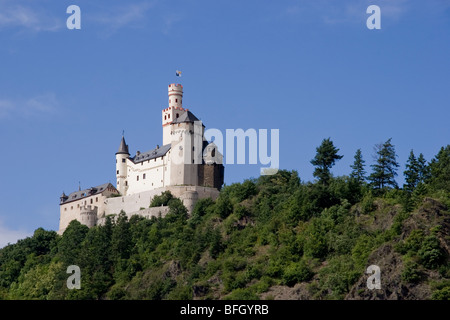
[424,169]
[385,168]
[358,171]
[440,170]
[411,173]
[325,158]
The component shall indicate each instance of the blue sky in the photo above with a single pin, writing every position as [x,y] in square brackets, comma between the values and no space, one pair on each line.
[309,68]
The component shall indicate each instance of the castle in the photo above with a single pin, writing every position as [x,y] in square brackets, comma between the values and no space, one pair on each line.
[185,164]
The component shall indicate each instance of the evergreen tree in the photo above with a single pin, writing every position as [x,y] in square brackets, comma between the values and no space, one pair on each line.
[358,171]
[411,173]
[385,168]
[326,156]
[440,170]
[424,169]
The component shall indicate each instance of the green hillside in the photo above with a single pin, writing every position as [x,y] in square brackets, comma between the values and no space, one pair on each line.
[275,237]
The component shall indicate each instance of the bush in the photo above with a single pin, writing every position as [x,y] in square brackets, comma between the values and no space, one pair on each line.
[411,272]
[242,294]
[297,272]
[161,200]
[430,253]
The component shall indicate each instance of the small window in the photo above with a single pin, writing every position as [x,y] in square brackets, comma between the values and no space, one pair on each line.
[92,201]
[123,160]
[117,171]
[193,148]
[168,116]
[176,100]
[178,115]
[165,117]
[137,178]
[117,182]
[143,176]
[126,183]
[96,199]
[65,209]
[169,101]
[71,207]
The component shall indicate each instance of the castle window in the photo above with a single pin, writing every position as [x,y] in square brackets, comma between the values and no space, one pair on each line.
[178,115]
[123,160]
[117,181]
[168,116]
[126,183]
[92,201]
[96,199]
[143,176]
[176,100]
[65,209]
[71,207]
[137,178]
[213,152]
[142,163]
[117,171]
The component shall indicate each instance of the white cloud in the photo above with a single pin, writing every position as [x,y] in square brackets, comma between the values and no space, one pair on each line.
[118,17]
[34,106]
[13,15]
[8,235]
[344,11]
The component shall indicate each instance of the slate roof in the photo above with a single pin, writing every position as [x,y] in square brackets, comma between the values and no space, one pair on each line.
[186,117]
[152,154]
[123,148]
[77,195]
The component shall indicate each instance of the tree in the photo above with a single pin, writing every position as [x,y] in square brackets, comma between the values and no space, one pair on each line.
[358,171]
[326,156]
[440,170]
[411,173]
[385,168]
[424,169]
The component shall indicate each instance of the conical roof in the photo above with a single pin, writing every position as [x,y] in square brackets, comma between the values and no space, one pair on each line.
[123,148]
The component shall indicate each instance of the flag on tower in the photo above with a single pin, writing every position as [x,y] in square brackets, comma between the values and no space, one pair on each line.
[178,73]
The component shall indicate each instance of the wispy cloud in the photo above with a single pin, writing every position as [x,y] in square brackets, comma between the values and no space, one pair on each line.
[14,15]
[8,235]
[344,11]
[118,17]
[34,106]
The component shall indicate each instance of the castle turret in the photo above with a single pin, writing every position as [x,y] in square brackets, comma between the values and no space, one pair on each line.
[173,111]
[121,167]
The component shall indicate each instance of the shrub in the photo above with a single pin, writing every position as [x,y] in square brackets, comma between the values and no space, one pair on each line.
[297,272]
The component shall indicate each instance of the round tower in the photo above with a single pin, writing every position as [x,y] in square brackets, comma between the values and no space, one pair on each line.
[175,95]
[121,167]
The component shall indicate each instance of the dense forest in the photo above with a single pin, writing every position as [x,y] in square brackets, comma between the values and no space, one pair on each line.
[274,237]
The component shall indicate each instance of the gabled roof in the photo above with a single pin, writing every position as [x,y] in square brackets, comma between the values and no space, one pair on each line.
[152,154]
[123,148]
[77,195]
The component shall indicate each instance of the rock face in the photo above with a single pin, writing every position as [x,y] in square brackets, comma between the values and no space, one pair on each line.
[432,214]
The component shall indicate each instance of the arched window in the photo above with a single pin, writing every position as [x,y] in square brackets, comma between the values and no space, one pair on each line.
[165,117]
[213,152]
[178,115]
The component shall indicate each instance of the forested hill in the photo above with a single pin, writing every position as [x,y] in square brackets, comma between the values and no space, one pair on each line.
[275,237]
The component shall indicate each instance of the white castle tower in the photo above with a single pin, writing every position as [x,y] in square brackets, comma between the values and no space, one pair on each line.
[121,167]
